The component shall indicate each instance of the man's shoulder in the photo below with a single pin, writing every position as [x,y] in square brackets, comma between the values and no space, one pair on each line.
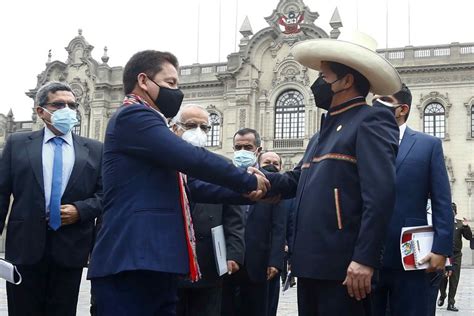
[423,136]
[89,141]
[23,136]
[137,112]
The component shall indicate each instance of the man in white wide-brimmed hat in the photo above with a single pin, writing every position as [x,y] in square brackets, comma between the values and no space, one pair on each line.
[345,183]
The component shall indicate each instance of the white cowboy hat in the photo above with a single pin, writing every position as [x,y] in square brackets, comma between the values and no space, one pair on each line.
[353,49]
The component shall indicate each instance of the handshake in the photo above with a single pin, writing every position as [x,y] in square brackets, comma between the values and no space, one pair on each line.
[263,186]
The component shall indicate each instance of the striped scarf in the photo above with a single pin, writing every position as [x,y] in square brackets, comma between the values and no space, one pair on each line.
[194,272]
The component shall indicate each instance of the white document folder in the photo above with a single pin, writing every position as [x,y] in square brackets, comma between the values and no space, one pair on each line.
[9,272]
[220,253]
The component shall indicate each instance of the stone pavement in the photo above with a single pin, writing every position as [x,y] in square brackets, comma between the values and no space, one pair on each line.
[287,306]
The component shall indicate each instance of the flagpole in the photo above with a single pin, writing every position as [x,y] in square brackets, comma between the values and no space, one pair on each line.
[236,19]
[220,26]
[386,24]
[198,23]
[409,23]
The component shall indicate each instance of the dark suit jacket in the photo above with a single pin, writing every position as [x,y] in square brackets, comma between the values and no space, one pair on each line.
[421,173]
[207,216]
[265,234]
[21,176]
[345,192]
[142,227]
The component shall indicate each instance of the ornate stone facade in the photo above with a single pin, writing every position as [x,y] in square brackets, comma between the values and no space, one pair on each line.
[247,90]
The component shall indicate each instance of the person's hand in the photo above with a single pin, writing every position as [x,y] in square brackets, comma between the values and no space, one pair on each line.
[358,280]
[69,214]
[271,272]
[448,274]
[437,262]
[464,221]
[232,266]
[263,185]
[253,170]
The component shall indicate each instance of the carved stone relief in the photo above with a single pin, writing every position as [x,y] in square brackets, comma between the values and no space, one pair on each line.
[242,117]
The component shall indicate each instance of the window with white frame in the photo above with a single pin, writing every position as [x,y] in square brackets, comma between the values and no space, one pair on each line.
[434,120]
[472,121]
[289,115]
[213,137]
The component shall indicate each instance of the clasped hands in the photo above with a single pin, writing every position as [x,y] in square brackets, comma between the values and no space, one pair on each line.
[263,185]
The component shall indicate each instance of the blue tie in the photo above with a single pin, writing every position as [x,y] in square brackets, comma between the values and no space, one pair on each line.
[56,185]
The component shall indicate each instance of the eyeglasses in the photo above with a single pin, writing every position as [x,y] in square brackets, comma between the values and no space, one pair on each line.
[187,126]
[62,105]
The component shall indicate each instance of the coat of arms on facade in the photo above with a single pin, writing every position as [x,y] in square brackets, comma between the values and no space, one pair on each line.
[290,23]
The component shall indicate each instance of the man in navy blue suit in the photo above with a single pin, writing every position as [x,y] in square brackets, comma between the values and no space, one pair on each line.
[146,240]
[246,292]
[421,173]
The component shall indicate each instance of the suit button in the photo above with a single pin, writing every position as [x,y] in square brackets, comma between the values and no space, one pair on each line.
[211,218]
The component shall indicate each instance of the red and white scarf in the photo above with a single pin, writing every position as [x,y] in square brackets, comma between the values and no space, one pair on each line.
[194,272]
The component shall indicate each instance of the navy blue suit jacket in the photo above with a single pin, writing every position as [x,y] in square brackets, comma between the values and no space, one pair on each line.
[265,232]
[345,192]
[421,174]
[142,226]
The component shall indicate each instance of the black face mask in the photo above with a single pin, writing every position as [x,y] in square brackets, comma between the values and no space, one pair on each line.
[270,168]
[168,100]
[323,93]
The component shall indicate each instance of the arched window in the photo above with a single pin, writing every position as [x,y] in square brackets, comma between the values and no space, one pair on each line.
[434,120]
[213,137]
[289,115]
[77,129]
[472,121]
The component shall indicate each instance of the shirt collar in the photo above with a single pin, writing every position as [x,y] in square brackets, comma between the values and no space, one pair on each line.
[402,128]
[347,105]
[48,135]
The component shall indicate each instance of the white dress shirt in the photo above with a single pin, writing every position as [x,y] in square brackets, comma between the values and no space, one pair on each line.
[48,159]
[402,128]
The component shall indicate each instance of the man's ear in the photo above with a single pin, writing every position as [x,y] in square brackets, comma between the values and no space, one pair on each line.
[39,110]
[348,81]
[142,81]
[405,110]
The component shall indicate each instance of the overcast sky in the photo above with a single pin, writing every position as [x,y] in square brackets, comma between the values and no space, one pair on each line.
[28,29]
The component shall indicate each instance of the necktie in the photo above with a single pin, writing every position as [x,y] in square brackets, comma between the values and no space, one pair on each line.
[56,185]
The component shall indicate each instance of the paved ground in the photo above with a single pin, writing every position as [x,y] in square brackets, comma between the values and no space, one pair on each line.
[287,307]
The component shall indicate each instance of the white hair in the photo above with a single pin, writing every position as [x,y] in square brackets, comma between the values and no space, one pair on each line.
[178,117]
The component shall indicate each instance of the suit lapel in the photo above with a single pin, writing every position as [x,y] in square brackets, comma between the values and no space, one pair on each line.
[81,152]
[34,148]
[406,145]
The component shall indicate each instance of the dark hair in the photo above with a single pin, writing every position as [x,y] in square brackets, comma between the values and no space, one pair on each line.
[245,131]
[149,62]
[42,96]
[361,84]
[404,97]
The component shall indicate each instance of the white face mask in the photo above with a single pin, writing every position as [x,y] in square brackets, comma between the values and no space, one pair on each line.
[195,137]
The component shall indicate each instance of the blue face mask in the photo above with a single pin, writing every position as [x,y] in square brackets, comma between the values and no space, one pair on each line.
[63,120]
[244,158]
